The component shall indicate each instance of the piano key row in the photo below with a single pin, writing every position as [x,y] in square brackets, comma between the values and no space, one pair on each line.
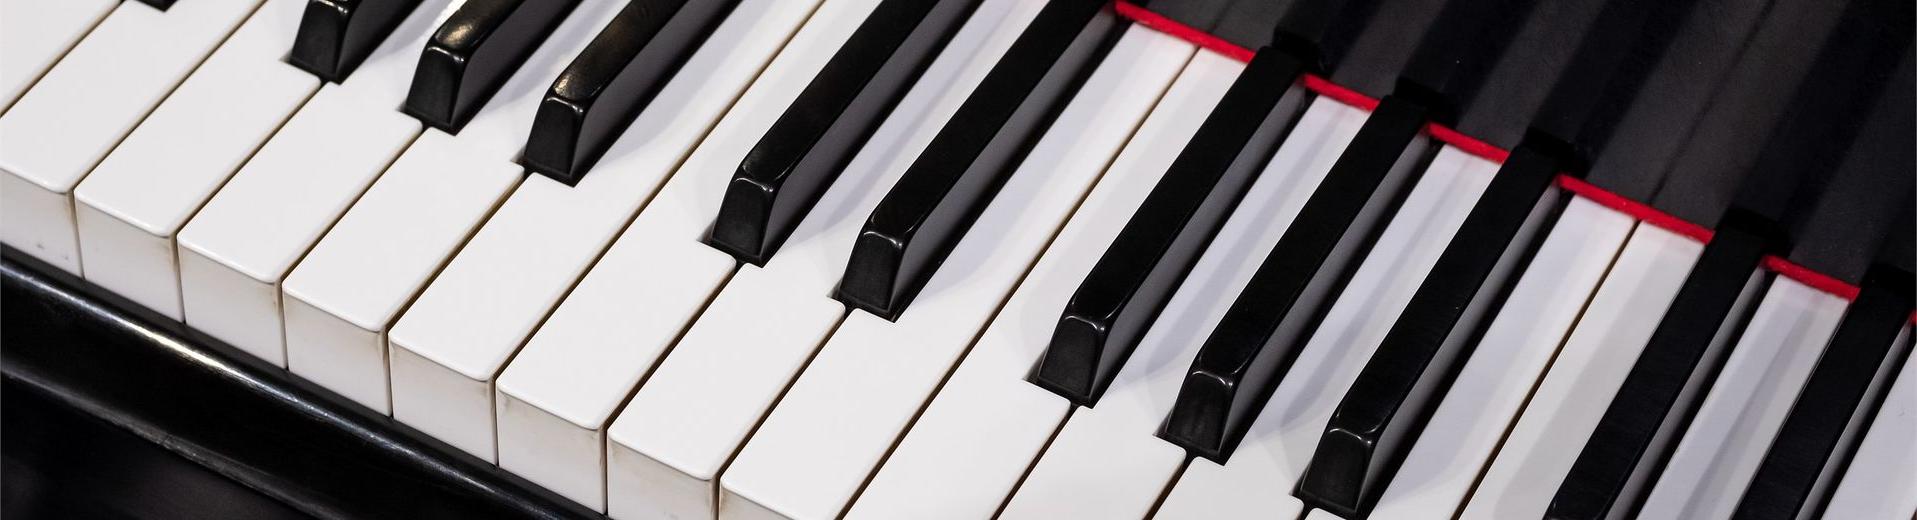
[575,329]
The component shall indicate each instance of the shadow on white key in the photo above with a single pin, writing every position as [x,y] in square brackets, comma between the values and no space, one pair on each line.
[1507,362]
[1734,426]
[342,296]
[964,454]
[36,33]
[1551,431]
[130,207]
[666,448]
[1106,461]
[55,133]
[559,393]
[1879,482]
[1256,481]
[446,349]
[830,431]
[233,254]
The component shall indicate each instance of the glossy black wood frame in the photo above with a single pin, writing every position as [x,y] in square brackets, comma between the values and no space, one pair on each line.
[252,423]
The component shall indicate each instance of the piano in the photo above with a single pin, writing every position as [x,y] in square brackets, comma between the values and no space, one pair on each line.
[811,259]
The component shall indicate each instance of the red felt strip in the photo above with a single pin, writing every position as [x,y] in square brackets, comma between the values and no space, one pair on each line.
[1471,145]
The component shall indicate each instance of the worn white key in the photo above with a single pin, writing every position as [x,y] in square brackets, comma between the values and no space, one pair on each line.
[1078,475]
[667,448]
[965,453]
[1708,472]
[236,250]
[130,207]
[1281,440]
[342,296]
[456,337]
[85,104]
[845,411]
[1513,353]
[36,33]
[1879,482]
[1568,402]
[559,393]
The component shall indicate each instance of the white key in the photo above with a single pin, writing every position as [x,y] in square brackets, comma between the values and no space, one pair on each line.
[1105,461]
[1256,480]
[667,447]
[558,394]
[58,131]
[845,411]
[1879,482]
[965,453]
[1734,426]
[456,337]
[36,33]
[130,207]
[1568,402]
[236,250]
[342,296]
[1513,353]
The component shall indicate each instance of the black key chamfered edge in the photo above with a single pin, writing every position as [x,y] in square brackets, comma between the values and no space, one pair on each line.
[1124,292]
[335,36]
[158,4]
[613,79]
[1837,403]
[1376,422]
[1653,406]
[926,213]
[473,52]
[1261,333]
[805,149]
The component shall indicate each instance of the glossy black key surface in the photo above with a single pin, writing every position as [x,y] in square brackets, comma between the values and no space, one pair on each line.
[806,148]
[1837,403]
[1126,289]
[613,79]
[335,36]
[1377,421]
[1261,333]
[158,4]
[941,194]
[473,52]
[209,404]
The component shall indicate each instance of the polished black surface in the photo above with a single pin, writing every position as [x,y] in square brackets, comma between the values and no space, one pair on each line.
[1124,292]
[926,213]
[335,36]
[473,52]
[158,4]
[803,152]
[613,79]
[249,422]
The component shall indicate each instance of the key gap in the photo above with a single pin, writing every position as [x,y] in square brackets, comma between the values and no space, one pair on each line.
[63,55]
[1498,448]
[1029,466]
[1170,484]
[819,347]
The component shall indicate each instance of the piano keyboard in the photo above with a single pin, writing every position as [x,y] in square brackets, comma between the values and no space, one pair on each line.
[1304,259]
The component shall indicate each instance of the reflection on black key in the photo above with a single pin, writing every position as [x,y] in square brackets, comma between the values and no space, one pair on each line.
[336,35]
[804,151]
[1835,407]
[1260,335]
[1374,425]
[1126,289]
[927,212]
[614,78]
[473,52]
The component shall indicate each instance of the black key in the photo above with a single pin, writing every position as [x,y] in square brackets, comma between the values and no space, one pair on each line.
[1126,289]
[613,79]
[158,4]
[335,36]
[804,151]
[1837,403]
[1260,335]
[1378,419]
[941,194]
[473,52]
[1653,406]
